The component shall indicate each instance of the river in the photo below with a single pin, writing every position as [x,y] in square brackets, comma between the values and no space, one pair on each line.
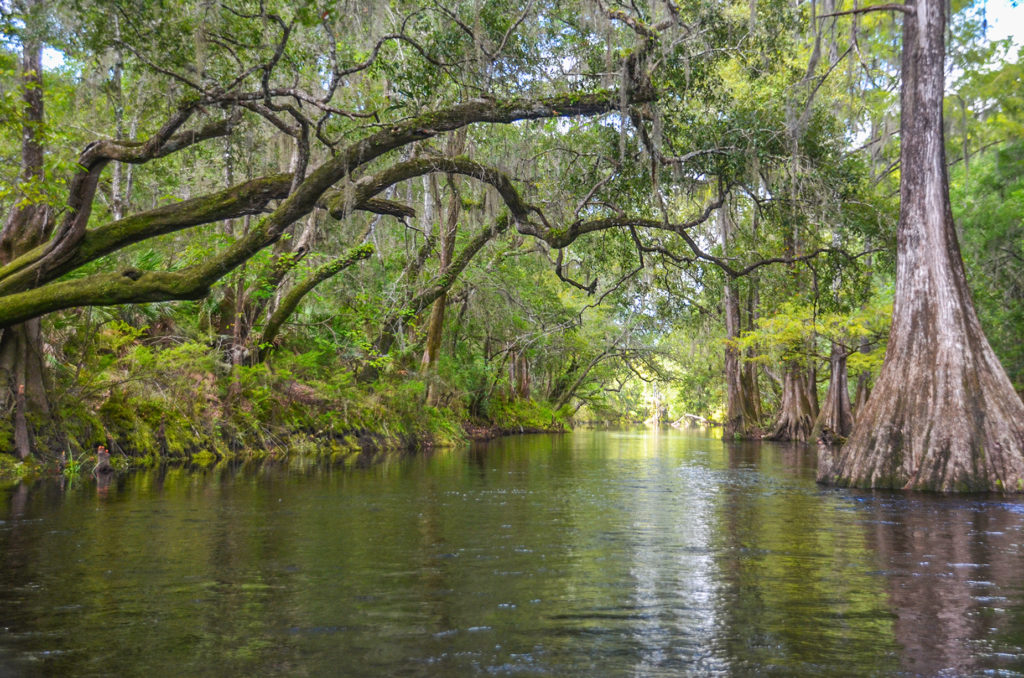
[596,553]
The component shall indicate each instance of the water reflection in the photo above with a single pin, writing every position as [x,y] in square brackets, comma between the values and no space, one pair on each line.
[598,553]
[797,594]
[953,575]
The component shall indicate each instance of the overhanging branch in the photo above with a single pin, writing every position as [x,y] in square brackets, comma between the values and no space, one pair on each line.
[193,282]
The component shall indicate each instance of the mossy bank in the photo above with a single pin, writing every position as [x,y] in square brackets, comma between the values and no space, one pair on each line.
[182,404]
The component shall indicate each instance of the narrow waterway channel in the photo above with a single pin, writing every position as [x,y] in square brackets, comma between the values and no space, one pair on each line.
[595,553]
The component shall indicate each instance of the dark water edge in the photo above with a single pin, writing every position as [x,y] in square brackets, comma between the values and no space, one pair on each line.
[596,553]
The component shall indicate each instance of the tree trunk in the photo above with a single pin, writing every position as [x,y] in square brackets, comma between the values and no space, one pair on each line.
[741,417]
[811,375]
[519,376]
[435,326]
[751,389]
[741,420]
[798,410]
[22,372]
[119,187]
[860,398]
[836,417]
[943,415]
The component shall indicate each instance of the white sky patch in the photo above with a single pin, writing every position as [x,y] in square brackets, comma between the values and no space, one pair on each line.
[52,59]
[1005,20]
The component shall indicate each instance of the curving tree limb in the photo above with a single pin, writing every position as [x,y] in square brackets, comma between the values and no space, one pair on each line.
[27,301]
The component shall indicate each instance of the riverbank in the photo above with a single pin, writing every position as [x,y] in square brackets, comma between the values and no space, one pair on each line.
[203,421]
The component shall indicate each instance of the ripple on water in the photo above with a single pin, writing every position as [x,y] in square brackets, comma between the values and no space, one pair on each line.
[576,555]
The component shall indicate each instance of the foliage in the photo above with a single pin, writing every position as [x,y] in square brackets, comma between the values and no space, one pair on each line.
[13,471]
[756,155]
[798,333]
[989,205]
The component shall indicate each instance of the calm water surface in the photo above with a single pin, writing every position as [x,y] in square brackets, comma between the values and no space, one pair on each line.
[587,554]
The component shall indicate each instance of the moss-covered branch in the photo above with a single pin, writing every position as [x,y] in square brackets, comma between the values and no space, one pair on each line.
[91,163]
[290,301]
[250,197]
[193,282]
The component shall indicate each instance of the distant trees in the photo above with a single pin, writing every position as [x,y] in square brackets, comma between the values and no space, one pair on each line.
[550,201]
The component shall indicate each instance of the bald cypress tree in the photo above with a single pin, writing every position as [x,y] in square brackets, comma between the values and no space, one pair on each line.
[943,415]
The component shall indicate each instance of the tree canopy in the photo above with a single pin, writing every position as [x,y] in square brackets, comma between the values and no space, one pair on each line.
[513,214]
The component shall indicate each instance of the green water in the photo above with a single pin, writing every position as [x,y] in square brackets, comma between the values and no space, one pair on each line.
[586,554]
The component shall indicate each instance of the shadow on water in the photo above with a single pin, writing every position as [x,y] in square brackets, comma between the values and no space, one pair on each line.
[598,553]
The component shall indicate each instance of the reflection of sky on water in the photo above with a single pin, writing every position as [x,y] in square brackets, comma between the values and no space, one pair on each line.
[673,571]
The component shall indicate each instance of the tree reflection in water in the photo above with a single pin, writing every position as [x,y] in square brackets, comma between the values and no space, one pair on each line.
[595,553]
[953,574]
[797,590]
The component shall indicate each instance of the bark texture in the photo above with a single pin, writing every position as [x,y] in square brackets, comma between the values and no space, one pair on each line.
[836,416]
[943,415]
[798,411]
[22,372]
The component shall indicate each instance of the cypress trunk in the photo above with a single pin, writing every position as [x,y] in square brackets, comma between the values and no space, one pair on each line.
[943,414]
[741,418]
[836,416]
[798,409]
[860,399]
[751,389]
